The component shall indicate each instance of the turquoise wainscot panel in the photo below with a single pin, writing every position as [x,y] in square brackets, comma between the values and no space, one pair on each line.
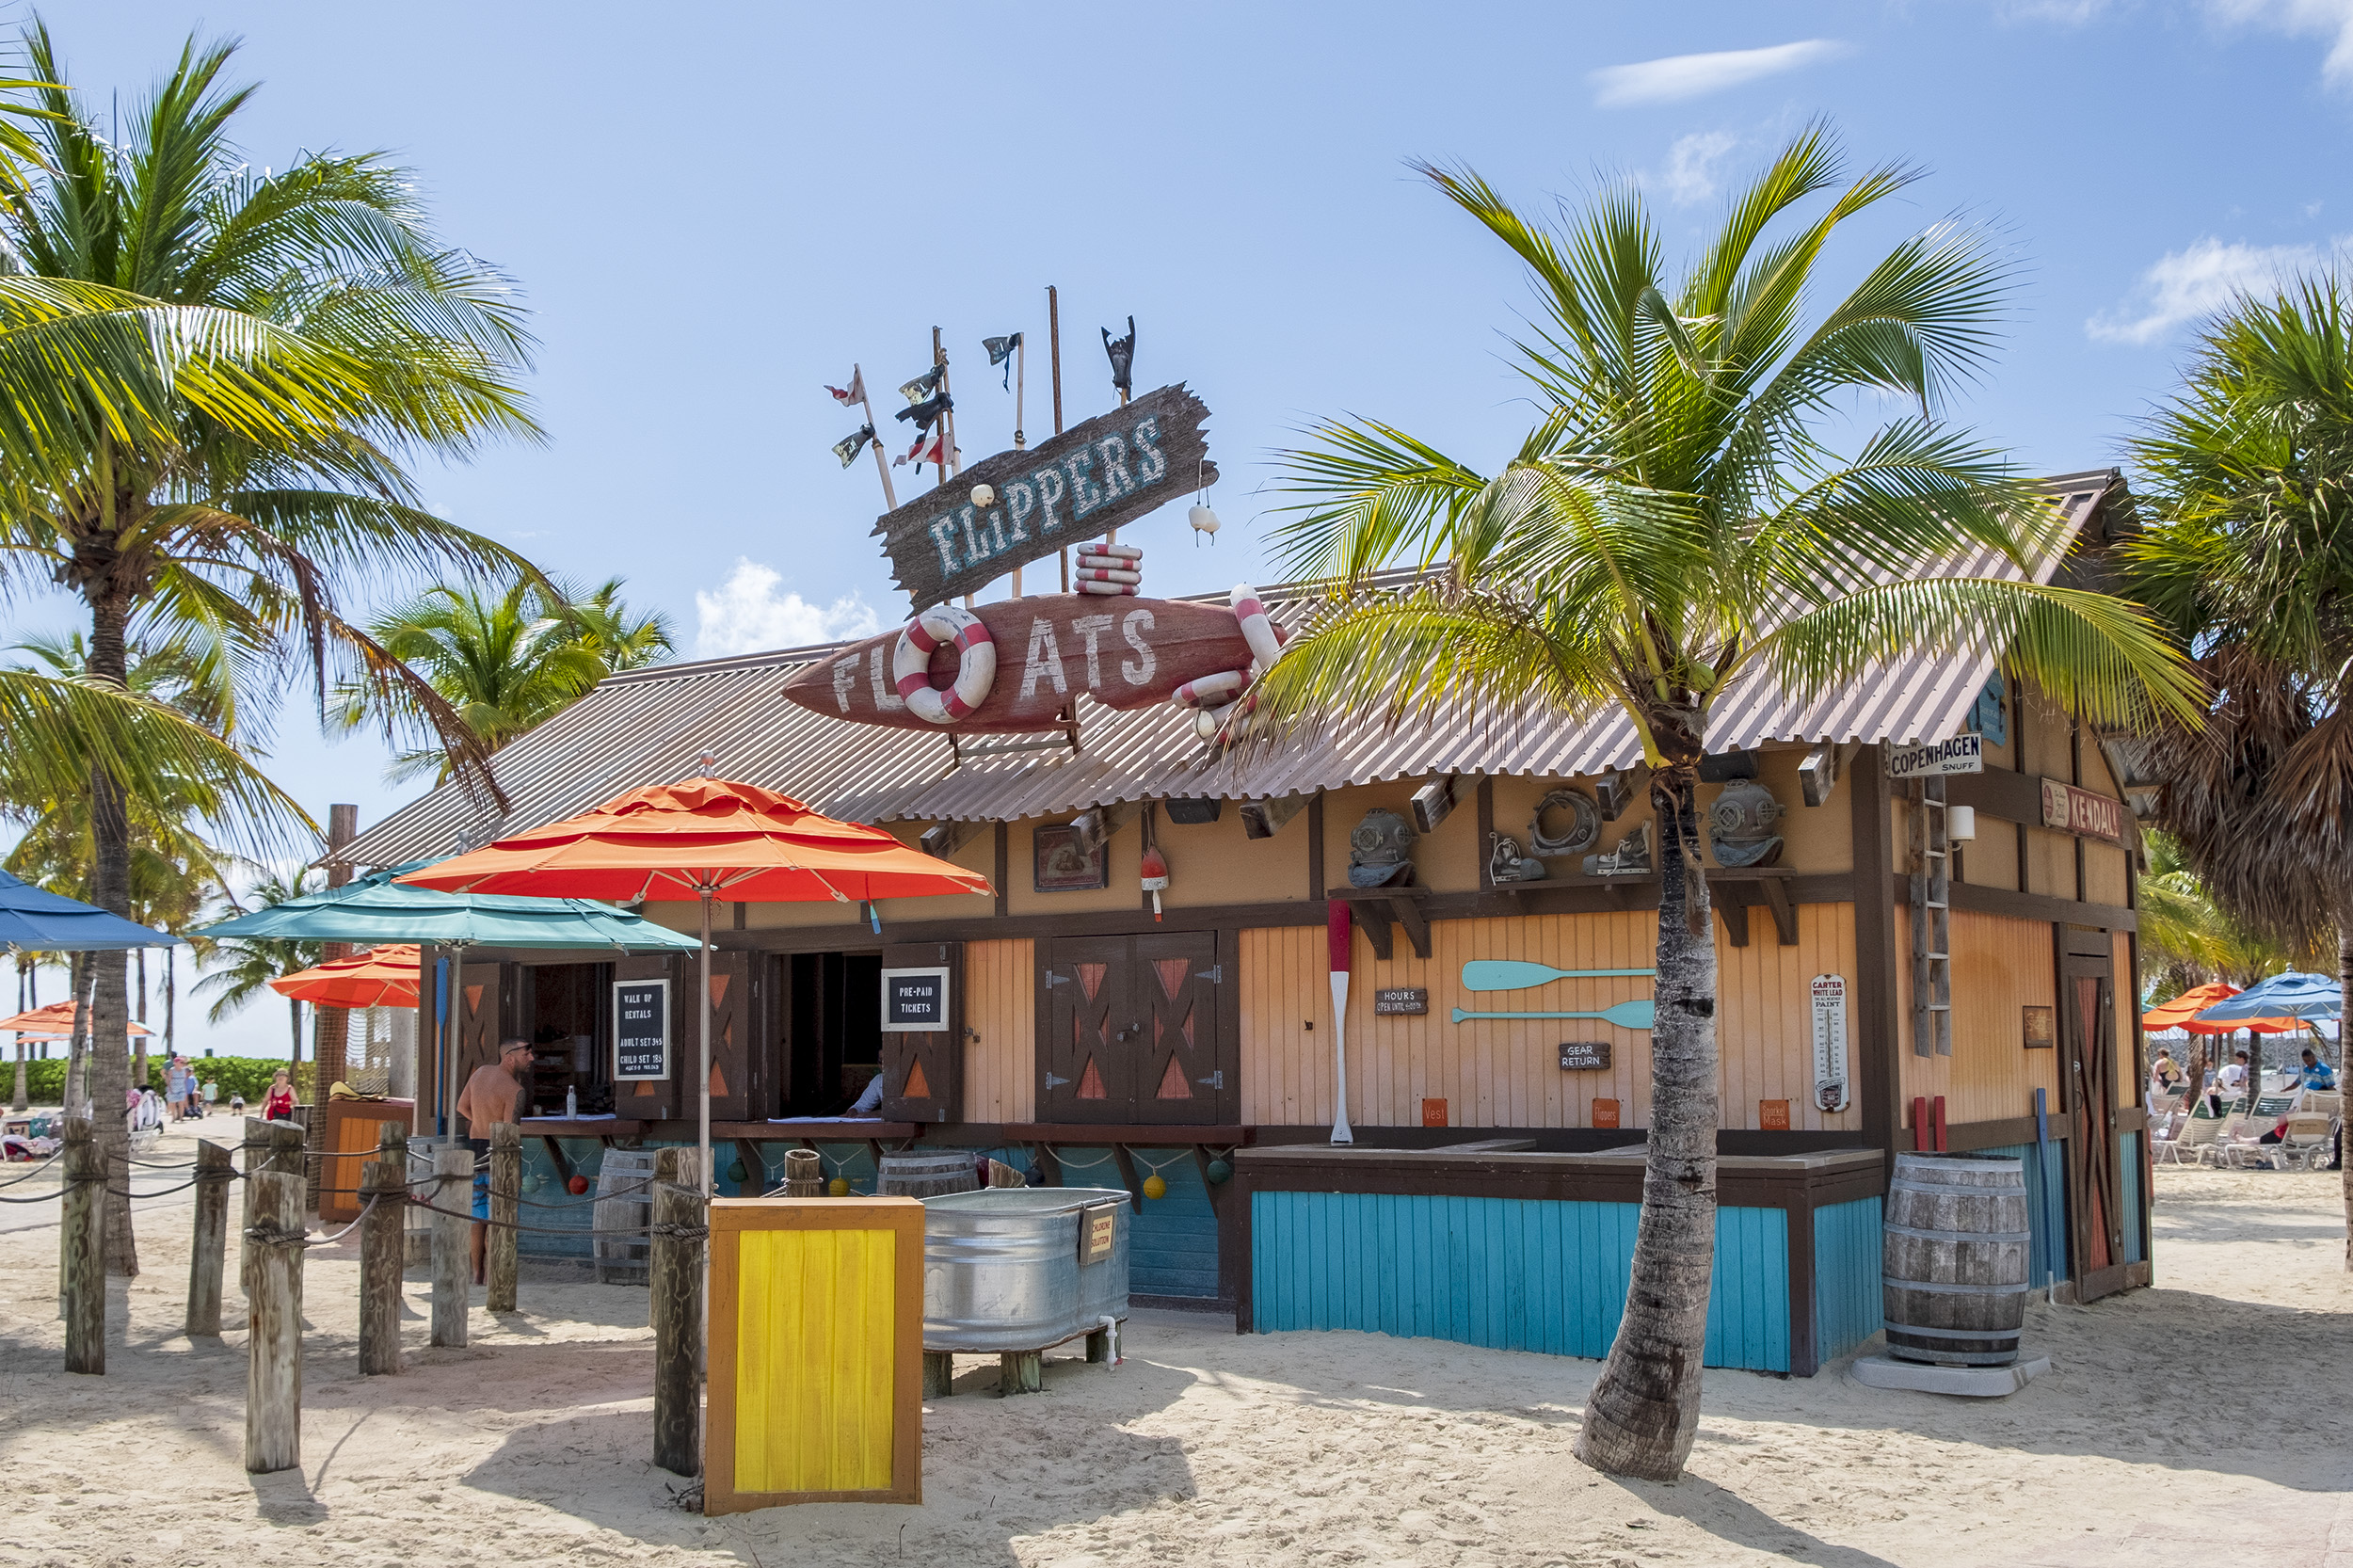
[1510,1274]
[557,1224]
[1848,1305]
[2046,1208]
[1171,1247]
[2128,1171]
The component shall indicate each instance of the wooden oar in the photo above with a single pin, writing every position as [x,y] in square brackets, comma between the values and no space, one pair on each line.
[1627,1015]
[1506,974]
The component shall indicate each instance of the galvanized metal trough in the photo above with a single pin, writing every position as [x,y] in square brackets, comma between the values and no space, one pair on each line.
[1014,1272]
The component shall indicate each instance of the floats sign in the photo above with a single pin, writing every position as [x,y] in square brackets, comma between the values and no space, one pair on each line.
[1097,475]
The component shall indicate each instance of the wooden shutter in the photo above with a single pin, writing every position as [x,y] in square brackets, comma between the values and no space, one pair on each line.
[734,1020]
[923,1074]
[1087,1071]
[651,1100]
[481,1016]
[1179,1073]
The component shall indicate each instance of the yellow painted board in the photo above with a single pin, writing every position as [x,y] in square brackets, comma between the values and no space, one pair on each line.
[812,1376]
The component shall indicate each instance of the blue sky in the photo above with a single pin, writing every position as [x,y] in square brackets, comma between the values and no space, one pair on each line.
[715,209]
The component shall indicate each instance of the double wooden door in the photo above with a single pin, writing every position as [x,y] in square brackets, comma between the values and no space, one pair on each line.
[1135,1032]
[2095,1192]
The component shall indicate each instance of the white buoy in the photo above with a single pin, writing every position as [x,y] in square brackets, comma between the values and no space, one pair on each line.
[983,495]
[1203,520]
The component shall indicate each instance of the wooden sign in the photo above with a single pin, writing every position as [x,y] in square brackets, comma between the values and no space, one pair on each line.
[1121,652]
[1585,1056]
[1937,758]
[1831,1092]
[914,1001]
[1099,1234]
[2041,1027]
[1605,1113]
[1773,1115]
[1434,1113]
[2081,812]
[1097,475]
[1401,1000]
[641,1029]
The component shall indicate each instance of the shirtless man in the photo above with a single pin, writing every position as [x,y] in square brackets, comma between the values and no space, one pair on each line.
[494,1093]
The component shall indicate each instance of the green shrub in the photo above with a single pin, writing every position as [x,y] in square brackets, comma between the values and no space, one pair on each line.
[250,1075]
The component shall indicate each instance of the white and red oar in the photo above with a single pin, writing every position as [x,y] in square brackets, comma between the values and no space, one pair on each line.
[1339,929]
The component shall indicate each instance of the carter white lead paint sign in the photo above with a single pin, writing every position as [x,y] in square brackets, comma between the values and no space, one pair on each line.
[1831,1092]
[1937,758]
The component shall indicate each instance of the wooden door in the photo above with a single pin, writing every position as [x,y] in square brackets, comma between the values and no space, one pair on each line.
[2095,1197]
[1085,1070]
[734,1010]
[1134,1032]
[923,1073]
[656,1099]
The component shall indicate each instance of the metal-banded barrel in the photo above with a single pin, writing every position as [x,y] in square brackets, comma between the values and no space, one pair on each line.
[928,1175]
[1953,1259]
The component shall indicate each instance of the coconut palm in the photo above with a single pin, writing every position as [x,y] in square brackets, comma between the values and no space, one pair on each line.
[243,967]
[2249,471]
[264,351]
[509,661]
[1675,521]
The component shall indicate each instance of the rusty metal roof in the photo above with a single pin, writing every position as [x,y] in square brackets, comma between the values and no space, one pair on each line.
[651,725]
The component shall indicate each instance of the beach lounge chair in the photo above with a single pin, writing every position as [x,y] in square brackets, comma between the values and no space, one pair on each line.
[2165,1138]
[2198,1136]
[2310,1135]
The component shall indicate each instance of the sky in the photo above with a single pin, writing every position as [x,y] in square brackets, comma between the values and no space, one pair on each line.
[714,210]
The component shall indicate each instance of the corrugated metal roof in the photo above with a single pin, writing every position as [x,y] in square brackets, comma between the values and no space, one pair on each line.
[651,725]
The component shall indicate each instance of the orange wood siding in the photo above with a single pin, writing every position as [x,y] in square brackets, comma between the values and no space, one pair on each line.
[1000,1006]
[1495,1073]
[2000,967]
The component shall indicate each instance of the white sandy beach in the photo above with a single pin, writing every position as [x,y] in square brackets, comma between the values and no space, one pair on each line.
[2205,1419]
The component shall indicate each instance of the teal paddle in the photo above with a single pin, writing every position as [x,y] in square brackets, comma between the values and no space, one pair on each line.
[1627,1015]
[1506,974]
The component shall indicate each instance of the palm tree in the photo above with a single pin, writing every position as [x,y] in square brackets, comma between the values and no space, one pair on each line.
[1674,522]
[247,964]
[507,663]
[265,350]
[2249,473]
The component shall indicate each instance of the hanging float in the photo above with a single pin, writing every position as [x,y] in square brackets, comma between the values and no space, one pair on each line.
[943,626]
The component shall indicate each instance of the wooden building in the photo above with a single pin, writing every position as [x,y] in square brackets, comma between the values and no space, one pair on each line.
[1090,1038]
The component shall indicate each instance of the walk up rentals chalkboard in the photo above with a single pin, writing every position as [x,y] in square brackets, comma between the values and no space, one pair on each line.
[1097,475]
[641,1029]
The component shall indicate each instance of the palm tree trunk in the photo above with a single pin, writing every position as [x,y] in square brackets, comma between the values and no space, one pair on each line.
[1644,1409]
[2345,1003]
[294,1062]
[172,976]
[24,973]
[110,1001]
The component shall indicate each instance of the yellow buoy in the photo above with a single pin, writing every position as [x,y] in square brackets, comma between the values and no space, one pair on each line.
[839,1187]
[1155,1188]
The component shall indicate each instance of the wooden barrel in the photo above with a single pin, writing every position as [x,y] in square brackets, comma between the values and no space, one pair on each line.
[1953,1259]
[928,1175]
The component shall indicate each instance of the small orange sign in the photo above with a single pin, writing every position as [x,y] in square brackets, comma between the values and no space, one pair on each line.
[1434,1113]
[1605,1113]
[1773,1115]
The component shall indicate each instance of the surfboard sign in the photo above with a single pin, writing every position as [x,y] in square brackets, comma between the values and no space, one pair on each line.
[1121,652]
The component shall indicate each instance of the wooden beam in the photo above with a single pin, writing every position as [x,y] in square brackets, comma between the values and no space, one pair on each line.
[1407,913]
[2034,906]
[555,1154]
[1315,845]
[1373,920]
[1264,819]
[1435,802]
[1879,1082]
[1784,912]
[1735,915]
[1485,796]
[1003,871]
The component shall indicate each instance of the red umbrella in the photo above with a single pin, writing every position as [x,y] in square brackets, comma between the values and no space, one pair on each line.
[2181,1012]
[52,1022]
[703,839]
[380,977]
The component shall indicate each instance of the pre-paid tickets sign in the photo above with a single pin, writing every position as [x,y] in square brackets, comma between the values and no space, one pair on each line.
[1097,475]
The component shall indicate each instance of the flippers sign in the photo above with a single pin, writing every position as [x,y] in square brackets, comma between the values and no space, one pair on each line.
[1020,506]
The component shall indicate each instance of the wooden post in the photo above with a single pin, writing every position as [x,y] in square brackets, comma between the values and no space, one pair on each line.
[803,1174]
[382,1242]
[453,1270]
[273,1377]
[1054,339]
[208,1252]
[256,1148]
[82,1251]
[939,1374]
[882,464]
[675,1274]
[506,1186]
[1022,1372]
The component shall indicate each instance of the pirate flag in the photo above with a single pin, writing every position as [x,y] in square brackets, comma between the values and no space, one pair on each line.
[924,385]
[849,446]
[925,414]
[853,392]
[930,447]
[1122,355]
[999,351]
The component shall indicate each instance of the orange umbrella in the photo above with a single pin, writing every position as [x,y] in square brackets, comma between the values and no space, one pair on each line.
[52,1022]
[380,977]
[2181,1012]
[703,839]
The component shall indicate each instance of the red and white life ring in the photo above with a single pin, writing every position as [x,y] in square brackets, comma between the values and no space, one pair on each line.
[1266,645]
[1210,691]
[976,664]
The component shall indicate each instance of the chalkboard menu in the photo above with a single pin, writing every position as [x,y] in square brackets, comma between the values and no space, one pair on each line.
[641,1029]
[914,1001]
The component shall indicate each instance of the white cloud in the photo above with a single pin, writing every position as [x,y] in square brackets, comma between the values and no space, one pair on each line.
[2185,286]
[1681,77]
[1690,172]
[746,615]
[2331,20]
[2067,14]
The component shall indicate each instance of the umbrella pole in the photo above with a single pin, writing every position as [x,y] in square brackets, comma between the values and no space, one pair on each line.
[449,1051]
[703,1143]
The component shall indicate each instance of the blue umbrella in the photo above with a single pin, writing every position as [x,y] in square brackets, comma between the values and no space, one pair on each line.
[2292,995]
[32,921]
[375,909]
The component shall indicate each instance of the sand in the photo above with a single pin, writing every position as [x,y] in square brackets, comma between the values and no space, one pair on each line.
[2203,1421]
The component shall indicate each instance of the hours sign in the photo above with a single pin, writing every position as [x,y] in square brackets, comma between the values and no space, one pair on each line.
[1094,476]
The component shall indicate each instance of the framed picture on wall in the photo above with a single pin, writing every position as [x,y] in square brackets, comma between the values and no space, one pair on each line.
[1065,863]
[2041,1028]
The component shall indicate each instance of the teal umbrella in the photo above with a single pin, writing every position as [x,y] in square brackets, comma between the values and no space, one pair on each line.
[375,909]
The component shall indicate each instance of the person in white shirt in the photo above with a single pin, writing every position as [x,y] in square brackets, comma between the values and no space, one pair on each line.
[2234,1077]
[871,1101]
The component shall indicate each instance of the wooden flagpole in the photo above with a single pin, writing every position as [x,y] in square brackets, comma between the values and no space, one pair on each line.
[947,423]
[1021,441]
[882,463]
[1054,338]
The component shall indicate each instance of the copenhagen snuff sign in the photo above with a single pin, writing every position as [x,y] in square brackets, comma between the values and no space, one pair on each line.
[1101,474]
[1937,758]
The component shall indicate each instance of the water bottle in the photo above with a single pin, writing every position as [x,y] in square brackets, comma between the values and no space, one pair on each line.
[571,1104]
